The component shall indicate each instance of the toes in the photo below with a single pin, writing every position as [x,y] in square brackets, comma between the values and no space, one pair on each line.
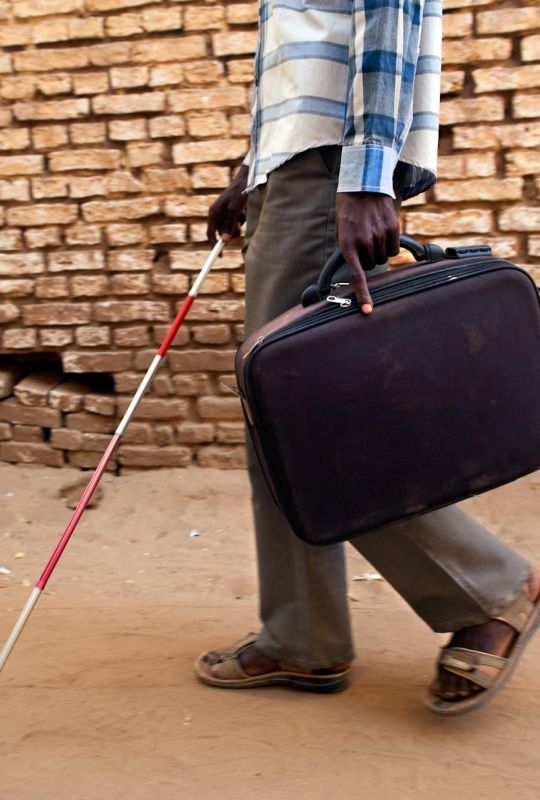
[452,687]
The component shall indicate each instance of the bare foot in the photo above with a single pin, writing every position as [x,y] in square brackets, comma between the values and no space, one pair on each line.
[494,637]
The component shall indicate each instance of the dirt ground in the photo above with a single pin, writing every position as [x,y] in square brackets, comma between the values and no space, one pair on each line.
[98,699]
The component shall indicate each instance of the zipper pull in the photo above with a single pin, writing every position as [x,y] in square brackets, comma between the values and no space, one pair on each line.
[255,344]
[344,302]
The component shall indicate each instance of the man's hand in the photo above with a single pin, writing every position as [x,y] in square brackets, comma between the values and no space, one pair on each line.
[368,234]
[228,213]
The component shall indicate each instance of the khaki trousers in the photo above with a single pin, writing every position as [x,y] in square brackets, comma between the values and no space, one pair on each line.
[448,568]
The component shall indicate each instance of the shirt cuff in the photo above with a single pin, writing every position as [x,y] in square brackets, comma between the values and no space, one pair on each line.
[367,168]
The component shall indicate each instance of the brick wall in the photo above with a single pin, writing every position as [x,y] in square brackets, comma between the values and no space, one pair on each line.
[120,122]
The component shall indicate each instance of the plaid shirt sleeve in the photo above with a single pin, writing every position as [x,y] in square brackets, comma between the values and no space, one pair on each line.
[385,40]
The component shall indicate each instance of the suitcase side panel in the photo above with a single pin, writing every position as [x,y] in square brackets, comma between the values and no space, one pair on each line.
[362,420]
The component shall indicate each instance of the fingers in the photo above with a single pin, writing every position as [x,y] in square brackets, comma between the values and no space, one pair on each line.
[359,282]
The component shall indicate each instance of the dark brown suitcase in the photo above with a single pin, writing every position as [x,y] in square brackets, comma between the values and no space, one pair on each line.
[362,421]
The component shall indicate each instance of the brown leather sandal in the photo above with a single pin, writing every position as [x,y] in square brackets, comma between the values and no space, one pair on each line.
[224,669]
[523,615]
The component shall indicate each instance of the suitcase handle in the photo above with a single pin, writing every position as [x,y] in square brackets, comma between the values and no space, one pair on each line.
[335,269]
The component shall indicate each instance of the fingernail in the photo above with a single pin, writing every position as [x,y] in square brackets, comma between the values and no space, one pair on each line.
[367,308]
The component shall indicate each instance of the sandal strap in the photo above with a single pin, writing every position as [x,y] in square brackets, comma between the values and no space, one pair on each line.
[517,613]
[465,663]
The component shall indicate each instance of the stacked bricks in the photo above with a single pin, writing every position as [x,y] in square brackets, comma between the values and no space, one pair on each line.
[120,122]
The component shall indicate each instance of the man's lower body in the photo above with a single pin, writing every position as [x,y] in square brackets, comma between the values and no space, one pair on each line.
[449,569]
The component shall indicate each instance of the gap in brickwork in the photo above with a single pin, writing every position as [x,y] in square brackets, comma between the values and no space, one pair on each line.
[50,417]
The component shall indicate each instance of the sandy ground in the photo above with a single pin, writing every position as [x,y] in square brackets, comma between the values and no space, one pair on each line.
[98,699]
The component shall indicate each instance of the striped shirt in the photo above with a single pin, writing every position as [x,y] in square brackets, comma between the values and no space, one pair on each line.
[363,74]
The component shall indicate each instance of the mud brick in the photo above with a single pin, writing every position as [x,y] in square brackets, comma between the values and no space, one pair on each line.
[76,261]
[166,180]
[21,165]
[10,240]
[138,433]
[131,260]
[210,177]
[156,408]
[496,79]
[201,360]
[46,214]
[222,457]
[133,456]
[70,160]
[162,385]
[93,336]
[62,439]
[52,109]
[189,206]
[90,423]
[8,312]
[89,286]
[45,137]
[130,284]
[8,378]
[15,288]
[89,460]
[219,408]
[121,235]
[12,411]
[520,218]
[192,260]
[164,435]
[160,331]
[238,284]
[127,381]
[483,189]
[81,233]
[176,285]
[48,236]
[201,72]
[219,310]
[35,388]
[184,48]
[230,433]
[30,453]
[25,9]
[5,432]
[95,442]
[87,187]
[131,310]
[463,221]
[218,283]
[134,336]
[123,183]
[102,361]
[240,70]
[195,384]
[28,433]
[15,190]
[90,83]
[166,126]
[129,103]
[234,44]
[68,395]
[211,334]
[108,211]
[210,150]
[241,14]
[195,432]
[168,233]
[208,124]
[129,77]
[125,129]
[203,18]
[17,264]
[55,337]
[57,314]
[20,339]
[100,403]
[198,99]
[163,19]
[14,139]
[47,287]
[87,132]
[145,154]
